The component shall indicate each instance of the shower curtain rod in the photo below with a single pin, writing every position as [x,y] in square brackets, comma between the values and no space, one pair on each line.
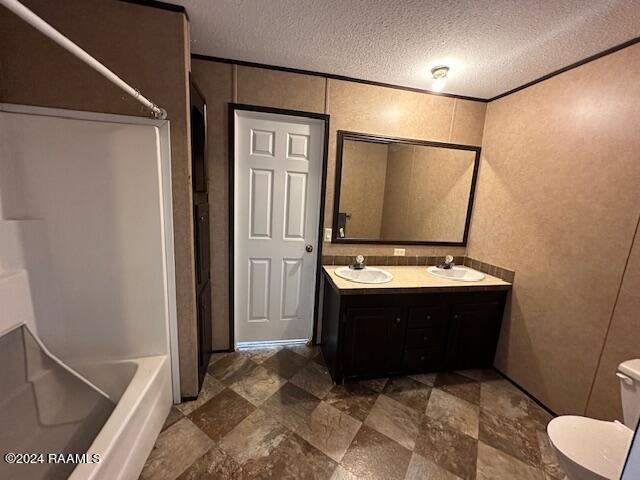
[34,20]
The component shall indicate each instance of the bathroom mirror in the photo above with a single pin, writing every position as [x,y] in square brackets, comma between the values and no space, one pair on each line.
[401,191]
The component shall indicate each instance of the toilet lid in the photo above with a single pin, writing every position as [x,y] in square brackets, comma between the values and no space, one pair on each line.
[598,446]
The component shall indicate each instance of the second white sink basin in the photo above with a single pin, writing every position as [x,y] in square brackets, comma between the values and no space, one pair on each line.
[460,274]
[366,275]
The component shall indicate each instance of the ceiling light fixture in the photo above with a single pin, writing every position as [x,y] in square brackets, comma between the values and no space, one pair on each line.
[439,74]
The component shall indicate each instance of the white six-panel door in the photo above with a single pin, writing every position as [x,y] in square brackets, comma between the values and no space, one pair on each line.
[278,172]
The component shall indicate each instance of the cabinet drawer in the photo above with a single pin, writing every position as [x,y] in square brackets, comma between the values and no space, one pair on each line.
[424,317]
[422,360]
[429,338]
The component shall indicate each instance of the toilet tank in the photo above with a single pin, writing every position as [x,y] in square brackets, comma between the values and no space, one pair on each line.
[629,375]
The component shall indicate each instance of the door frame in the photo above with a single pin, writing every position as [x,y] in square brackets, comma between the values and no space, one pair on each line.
[233,107]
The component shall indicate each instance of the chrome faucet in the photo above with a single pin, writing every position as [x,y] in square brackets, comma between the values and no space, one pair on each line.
[448,263]
[358,264]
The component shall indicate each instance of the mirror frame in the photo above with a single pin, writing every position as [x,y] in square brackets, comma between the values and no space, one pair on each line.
[347,135]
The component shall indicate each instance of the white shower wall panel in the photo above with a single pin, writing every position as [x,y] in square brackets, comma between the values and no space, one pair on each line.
[93,250]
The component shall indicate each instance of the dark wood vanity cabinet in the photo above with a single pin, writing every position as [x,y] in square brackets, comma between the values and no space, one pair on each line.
[367,335]
[373,340]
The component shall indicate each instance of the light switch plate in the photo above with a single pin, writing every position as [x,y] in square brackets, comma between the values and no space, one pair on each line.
[398,252]
[327,234]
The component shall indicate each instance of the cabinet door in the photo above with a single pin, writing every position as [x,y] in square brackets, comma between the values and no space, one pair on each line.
[474,335]
[374,341]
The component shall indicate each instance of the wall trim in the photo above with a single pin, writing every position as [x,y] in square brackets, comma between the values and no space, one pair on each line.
[171,7]
[577,64]
[199,56]
[604,53]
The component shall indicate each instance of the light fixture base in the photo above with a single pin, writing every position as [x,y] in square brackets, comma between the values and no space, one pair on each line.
[439,72]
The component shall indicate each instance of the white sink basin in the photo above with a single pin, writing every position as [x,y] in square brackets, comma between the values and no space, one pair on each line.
[460,274]
[366,275]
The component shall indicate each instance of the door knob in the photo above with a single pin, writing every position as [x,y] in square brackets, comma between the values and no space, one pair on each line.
[309,248]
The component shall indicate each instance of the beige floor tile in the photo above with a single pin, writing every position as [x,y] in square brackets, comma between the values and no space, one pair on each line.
[460,386]
[174,416]
[454,411]
[217,356]
[342,473]
[422,469]
[285,363]
[231,368]
[215,464]
[373,455]
[448,448]
[175,450]
[210,388]
[511,436]
[352,398]
[294,458]
[259,355]
[426,378]
[221,414]
[315,379]
[329,430]
[408,391]
[307,351]
[254,438]
[395,420]
[257,385]
[375,384]
[549,460]
[494,464]
[505,399]
[482,375]
[291,406]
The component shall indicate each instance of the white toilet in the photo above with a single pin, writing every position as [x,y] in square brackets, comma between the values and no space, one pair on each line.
[590,449]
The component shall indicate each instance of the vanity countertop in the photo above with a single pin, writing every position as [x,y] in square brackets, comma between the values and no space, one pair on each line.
[411,280]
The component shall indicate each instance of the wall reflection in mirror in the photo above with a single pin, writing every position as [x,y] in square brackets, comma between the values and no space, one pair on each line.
[403,191]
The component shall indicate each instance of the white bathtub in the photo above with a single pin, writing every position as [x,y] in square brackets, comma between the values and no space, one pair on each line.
[126,439]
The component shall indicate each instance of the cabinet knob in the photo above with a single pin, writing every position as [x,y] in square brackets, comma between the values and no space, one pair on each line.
[428,317]
[398,320]
[422,358]
[425,338]
[455,316]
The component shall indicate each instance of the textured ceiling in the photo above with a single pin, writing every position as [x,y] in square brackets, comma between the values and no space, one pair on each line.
[491,46]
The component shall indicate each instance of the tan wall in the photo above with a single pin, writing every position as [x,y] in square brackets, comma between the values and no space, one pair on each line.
[364,171]
[427,193]
[622,342]
[352,106]
[149,48]
[558,202]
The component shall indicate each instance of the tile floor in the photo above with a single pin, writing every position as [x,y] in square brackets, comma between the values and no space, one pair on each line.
[275,413]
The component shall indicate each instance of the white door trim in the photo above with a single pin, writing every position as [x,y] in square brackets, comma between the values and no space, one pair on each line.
[234,109]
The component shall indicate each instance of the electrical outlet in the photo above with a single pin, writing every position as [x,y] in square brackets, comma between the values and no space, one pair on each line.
[327,234]
[398,252]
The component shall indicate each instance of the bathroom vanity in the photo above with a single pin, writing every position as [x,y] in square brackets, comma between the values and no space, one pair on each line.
[416,323]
